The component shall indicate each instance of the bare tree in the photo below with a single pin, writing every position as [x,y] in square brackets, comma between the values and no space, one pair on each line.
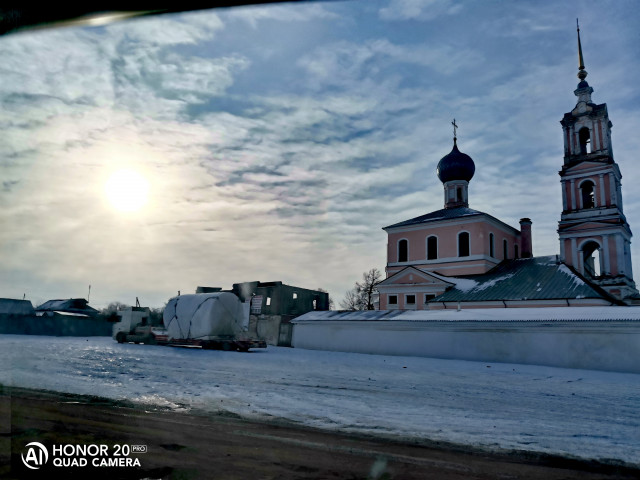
[361,296]
[114,307]
[109,313]
[352,300]
[331,304]
[155,315]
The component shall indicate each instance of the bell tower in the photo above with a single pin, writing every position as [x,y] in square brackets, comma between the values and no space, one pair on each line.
[595,237]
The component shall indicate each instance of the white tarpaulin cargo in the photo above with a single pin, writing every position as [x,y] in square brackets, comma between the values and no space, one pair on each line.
[204,315]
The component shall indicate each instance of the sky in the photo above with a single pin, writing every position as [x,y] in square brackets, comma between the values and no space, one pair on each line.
[274,142]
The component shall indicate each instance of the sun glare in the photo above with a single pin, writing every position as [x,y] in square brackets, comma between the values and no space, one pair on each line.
[127,190]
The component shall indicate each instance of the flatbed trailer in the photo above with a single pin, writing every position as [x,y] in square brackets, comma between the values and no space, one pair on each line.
[211,321]
[150,335]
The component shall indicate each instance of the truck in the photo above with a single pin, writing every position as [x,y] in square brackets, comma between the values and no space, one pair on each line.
[217,321]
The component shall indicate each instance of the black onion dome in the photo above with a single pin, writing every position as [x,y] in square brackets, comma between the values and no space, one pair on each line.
[455,166]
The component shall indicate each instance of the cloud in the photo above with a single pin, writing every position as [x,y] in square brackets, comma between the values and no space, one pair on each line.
[9,185]
[422,10]
[173,77]
[343,61]
[167,30]
[305,12]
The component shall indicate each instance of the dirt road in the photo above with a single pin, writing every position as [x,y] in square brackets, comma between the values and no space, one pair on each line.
[190,446]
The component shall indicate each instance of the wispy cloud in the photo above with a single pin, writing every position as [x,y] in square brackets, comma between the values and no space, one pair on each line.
[423,10]
[305,12]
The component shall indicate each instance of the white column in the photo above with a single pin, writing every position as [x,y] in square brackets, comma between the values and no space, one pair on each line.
[580,262]
[619,190]
[562,250]
[564,196]
[574,254]
[603,201]
[607,258]
[612,187]
[620,254]
[573,194]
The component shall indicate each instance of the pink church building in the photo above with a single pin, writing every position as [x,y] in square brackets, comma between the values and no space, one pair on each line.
[458,257]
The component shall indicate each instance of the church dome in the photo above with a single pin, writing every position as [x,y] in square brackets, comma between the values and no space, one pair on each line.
[455,166]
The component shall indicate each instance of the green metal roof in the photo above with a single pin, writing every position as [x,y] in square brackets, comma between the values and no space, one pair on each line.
[538,278]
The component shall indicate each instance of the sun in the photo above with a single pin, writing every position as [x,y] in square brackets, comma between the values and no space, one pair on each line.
[127,190]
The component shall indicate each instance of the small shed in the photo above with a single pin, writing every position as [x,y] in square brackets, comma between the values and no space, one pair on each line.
[10,306]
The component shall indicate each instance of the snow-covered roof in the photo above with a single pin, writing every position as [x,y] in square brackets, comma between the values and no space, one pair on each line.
[73,305]
[443,214]
[425,274]
[50,313]
[447,214]
[560,314]
[52,304]
[538,278]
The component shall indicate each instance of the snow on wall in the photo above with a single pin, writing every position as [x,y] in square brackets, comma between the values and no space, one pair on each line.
[496,335]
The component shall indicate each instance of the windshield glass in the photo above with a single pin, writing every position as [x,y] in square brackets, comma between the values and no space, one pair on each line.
[152,155]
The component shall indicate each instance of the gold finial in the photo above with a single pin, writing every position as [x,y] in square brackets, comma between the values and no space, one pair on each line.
[582,73]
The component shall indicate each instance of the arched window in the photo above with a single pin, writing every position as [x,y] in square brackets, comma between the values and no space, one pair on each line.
[492,252]
[587,191]
[432,247]
[505,249]
[403,250]
[516,252]
[585,140]
[463,244]
[592,266]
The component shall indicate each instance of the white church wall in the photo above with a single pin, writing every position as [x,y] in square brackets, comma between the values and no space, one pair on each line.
[594,345]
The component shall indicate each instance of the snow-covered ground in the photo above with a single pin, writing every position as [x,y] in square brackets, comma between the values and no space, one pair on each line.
[580,413]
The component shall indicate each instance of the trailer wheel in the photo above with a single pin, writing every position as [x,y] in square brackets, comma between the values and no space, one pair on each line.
[226,346]
[243,349]
[121,337]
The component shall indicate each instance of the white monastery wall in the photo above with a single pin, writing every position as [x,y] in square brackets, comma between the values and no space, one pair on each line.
[611,345]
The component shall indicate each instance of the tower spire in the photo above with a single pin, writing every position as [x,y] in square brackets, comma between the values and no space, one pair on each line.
[582,73]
